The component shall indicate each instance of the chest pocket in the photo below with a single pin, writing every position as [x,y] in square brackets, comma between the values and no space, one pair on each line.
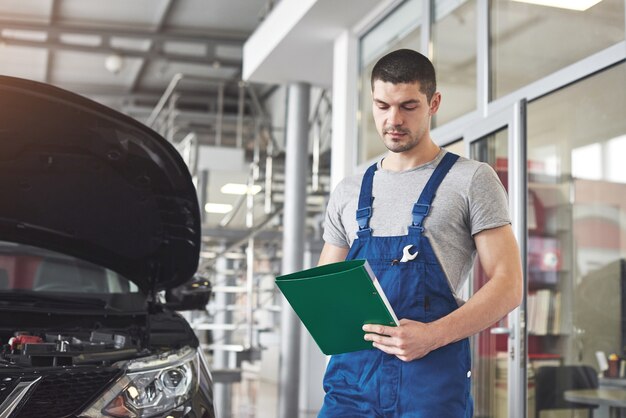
[403,284]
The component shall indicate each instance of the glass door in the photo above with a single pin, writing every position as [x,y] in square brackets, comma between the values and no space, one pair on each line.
[561,159]
[577,245]
[498,353]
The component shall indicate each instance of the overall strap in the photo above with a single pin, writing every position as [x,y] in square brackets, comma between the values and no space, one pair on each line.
[422,207]
[364,211]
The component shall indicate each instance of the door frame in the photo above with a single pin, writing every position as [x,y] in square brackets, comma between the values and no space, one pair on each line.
[513,118]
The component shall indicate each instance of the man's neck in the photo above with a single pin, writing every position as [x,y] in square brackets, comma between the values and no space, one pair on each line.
[415,157]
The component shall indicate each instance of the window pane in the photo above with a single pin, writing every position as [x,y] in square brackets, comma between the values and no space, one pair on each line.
[454,49]
[577,229]
[400,29]
[399,24]
[530,41]
[457,147]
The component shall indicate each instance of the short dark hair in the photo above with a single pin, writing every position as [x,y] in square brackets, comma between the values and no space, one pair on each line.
[406,66]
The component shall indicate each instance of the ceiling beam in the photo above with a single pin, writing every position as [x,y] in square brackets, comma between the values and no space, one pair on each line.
[163,15]
[155,53]
[224,37]
[147,94]
[54,13]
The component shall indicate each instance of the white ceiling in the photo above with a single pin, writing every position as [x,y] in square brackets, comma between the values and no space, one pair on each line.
[296,42]
[66,43]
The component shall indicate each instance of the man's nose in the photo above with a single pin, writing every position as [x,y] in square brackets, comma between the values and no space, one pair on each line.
[394,117]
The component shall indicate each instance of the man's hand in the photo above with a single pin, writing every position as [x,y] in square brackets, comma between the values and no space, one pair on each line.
[409,341]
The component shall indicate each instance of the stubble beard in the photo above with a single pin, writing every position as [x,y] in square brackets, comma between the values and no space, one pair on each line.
[406,143]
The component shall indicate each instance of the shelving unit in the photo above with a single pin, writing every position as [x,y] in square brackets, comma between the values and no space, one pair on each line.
[549,269]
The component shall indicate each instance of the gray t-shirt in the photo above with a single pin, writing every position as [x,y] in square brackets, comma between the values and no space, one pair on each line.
[470,199]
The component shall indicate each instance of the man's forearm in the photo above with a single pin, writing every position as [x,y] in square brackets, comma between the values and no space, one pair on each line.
[494,300]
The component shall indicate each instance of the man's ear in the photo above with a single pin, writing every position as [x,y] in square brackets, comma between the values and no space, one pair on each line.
[435,101]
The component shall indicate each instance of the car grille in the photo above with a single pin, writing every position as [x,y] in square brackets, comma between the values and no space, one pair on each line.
[59,393]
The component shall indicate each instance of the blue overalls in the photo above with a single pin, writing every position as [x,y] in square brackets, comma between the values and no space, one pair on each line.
[371,383]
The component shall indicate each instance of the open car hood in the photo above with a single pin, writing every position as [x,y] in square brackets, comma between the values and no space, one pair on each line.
[82,179]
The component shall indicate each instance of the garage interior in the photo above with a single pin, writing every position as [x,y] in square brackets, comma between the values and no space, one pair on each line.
[184,69]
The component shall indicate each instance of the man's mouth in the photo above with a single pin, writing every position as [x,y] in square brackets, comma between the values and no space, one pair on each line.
[395,134]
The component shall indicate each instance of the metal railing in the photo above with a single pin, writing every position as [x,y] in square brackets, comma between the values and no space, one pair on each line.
[261,172]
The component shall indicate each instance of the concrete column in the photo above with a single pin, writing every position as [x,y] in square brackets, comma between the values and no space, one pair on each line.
[345,106]
[203,192]
[312,358]
[222,391]
[293,241]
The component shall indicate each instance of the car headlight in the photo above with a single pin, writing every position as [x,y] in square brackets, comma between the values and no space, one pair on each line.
[151,386]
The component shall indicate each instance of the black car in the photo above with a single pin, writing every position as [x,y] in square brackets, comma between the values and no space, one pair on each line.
[98,220]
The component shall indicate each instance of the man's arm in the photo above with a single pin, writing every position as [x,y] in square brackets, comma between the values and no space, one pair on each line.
[332,254]
[499,256]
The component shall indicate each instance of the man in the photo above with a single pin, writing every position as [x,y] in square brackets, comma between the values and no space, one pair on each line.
[421,216]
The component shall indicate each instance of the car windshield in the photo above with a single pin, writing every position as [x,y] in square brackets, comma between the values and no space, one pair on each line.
[26,268]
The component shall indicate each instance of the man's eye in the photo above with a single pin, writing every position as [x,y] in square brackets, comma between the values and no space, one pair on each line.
[382,106]
[412,107]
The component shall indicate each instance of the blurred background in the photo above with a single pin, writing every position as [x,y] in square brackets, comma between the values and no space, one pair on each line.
[268,102]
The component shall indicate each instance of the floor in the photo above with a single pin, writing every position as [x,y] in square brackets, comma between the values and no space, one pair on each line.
[256,395]
[256,398]
[253,398]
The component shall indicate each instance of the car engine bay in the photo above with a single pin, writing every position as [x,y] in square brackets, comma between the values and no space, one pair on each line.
[46,349]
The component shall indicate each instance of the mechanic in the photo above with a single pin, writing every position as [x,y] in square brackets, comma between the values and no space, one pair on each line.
[422,215]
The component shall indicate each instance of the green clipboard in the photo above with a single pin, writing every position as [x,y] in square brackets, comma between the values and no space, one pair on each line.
[335,300]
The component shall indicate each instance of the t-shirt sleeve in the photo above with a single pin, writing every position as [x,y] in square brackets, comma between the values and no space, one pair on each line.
[488,201]
[334,230]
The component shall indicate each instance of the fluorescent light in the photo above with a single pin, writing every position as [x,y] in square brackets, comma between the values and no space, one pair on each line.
[240,189]
[579,5]
[217,208]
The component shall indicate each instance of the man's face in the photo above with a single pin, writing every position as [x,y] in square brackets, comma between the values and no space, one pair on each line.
[402,114]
